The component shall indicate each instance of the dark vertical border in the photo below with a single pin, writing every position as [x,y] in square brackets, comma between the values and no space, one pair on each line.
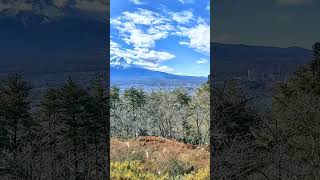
[211,81]
[107,52]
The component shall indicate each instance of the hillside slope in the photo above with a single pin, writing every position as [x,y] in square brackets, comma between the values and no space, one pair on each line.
[161,153]
[231,60]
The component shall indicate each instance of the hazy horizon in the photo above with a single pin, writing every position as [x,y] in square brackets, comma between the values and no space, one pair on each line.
[276,23]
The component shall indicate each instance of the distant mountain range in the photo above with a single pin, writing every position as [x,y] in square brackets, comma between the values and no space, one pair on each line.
[237,59]
[125,75]
[229,61]
[45,29]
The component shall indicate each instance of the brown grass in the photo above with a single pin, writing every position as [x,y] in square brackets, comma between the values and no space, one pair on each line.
[160,153]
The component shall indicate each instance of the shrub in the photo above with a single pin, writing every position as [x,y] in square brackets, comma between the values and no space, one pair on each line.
[133,170]
[201,174]
[176,167]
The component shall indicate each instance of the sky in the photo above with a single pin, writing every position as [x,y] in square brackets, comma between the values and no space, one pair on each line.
[171,36]
[278,23]
[55,9]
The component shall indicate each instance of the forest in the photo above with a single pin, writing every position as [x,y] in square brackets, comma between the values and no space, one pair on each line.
[279,142]
[67,136]
[173,114]
[161,134]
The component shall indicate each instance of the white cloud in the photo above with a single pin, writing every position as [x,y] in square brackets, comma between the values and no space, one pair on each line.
[143,57]
[151,55]
[182,17]
[142,29]
[186,1]
[137,2]
[154,67]
[129,25]
[208,6]
[202,61]
[198,37]
[142,16]
[163,69]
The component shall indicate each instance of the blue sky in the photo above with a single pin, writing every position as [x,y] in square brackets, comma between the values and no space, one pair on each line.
[164,35]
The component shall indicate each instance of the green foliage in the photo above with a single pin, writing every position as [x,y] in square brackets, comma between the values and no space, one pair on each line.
[135,97]
[51,103]
[305,80]
[135,170]
[114,96]
[303,87]
[296,121]
[15,119]
[201,174]
[15,102]
[182,96]
[200,108]
[15,105]
[176,167]
[66,137]
[232,111]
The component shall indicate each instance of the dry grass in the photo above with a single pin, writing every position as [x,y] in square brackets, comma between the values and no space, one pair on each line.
[161,155]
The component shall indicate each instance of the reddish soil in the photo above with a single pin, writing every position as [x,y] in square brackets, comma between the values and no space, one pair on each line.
[157,149]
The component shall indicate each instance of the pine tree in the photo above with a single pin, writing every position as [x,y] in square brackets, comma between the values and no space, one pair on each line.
[98,124]
[74,100]
[51,109]
[296,108]
[232,111]
[114,97]
[15,114]
[183,102]
[135,99]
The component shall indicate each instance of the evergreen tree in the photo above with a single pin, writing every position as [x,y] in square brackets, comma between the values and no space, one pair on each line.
[97,125]
[201,114]
[114,97]
[183,105]
[50,109]
[15,115]
[135,100]
[296,108]
[232,111]
[74,101]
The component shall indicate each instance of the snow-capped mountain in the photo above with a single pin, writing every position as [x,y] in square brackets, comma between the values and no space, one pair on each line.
[127,75]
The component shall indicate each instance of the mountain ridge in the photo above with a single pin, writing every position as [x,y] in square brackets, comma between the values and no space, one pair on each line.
[230,60]
[133,76]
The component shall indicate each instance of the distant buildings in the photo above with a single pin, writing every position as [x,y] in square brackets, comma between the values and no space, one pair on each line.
[253,75]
